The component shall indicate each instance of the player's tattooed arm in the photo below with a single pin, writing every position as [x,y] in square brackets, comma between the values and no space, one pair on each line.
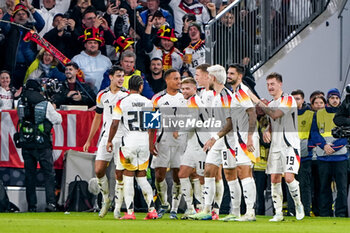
[252,127]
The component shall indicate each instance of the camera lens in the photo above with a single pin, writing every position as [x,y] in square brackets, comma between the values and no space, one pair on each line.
[347,89]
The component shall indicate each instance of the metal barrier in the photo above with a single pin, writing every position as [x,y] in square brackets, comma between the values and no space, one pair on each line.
[251,31]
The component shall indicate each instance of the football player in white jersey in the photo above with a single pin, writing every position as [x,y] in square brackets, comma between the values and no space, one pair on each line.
[170,144]
[246,140]
[105,102]
[285,145]
[218,145]
[193,160]
[207,96]
[134,149]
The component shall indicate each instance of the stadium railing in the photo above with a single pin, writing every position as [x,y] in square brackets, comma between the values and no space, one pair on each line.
[250,33]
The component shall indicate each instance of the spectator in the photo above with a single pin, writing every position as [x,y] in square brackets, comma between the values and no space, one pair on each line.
[61,35]
[153,7]
[123,44]
[318,102]
[194,53]
[2,38]
[7,95]
[120,22]
[61,6]
[155,78]
[332,157]
[19,53]
[91,61]
[44,67]
[127,62]
[316,93]
[182,7]
[91,19]
[74,92]
[211,7]
[47,11]
[171,56]
[76,11]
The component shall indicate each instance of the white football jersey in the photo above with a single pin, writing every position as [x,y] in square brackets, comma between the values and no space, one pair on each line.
[6,99]
[240,118]
[285,128]
[180,8]
[130,111]
[206,96]
[105,102]
[197,137]
[170,106]
[221,110]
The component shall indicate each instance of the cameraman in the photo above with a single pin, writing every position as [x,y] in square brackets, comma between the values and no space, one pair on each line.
[36,117]
[342,117]
[73,92]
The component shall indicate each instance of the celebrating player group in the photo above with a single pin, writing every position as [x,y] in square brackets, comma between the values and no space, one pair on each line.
[197,128]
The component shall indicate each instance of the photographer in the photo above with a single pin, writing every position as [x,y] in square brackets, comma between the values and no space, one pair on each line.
[72,91]
[342,117]
[36,117]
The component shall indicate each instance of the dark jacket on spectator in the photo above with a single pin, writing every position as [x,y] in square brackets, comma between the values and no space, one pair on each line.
[87,94]
[147,90]
[16,49]
[62,43]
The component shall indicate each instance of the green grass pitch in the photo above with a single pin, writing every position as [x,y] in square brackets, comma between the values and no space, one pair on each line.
[90,222]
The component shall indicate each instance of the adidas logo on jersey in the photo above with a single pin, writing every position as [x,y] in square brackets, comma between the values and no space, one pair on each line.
[106,102]
[166,103]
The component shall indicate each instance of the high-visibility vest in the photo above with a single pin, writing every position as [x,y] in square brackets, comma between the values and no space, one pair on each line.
[304,124]
[127,77]
[325,122]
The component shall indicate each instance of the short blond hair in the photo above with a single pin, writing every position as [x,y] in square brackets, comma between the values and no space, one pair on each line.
[218,72]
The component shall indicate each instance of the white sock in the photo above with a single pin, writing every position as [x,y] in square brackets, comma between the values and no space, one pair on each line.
[198,193]
[235,194]
[129,193]
[219,193]
[294,191]
[103,184]
[277,197]
[186,190]
[162,190]
[176,197]
[146,191]
[249,193]
[203,199]
[209,193]
[119,194]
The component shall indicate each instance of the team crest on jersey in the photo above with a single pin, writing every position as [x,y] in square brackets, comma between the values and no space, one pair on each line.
[152,119]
